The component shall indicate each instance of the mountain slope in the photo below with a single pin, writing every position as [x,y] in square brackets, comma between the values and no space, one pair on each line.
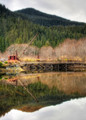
[41,18]
[17,29]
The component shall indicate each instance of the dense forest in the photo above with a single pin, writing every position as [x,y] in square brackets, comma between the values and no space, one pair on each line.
[18,27]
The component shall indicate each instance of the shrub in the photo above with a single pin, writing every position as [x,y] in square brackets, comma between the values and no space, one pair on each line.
[5,62]
[1,64]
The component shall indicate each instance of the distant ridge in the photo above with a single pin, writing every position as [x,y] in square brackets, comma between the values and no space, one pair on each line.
[44,19]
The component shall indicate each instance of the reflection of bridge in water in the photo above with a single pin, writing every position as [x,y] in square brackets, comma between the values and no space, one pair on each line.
[50,66]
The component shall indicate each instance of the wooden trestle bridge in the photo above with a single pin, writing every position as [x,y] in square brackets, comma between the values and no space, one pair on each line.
[50,66]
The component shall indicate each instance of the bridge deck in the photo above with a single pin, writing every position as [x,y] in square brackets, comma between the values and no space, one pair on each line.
[54,66]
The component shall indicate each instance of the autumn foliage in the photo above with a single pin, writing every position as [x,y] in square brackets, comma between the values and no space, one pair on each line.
[69,49]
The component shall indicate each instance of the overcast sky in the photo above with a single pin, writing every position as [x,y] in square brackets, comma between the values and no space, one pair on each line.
[70,9]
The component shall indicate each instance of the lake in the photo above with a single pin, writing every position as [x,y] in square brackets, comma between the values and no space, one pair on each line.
[49,95]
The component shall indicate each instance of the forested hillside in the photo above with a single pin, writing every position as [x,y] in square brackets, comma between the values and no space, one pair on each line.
[15,28]
[45,19]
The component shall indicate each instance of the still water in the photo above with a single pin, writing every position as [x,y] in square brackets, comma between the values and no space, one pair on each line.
[71,110]
[47,96]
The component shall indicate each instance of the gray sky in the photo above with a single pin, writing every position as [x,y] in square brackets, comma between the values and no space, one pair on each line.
[70,9]
[70,110]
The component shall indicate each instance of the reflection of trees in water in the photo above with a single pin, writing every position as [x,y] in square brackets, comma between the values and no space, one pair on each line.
[16,97]
[66,82]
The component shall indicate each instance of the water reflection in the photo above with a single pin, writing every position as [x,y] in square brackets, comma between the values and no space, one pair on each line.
[30,92]
[71,110]
[68,82]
